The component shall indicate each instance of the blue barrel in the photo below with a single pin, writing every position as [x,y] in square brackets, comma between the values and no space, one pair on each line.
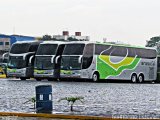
[44,98]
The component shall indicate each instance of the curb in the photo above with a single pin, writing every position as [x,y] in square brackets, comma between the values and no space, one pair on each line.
[62,116]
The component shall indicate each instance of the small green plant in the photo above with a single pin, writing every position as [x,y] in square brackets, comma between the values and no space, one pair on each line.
[71,101]
[33,100]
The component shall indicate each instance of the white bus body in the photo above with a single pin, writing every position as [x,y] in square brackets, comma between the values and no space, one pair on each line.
[47,60]
[108,61]
[21,59]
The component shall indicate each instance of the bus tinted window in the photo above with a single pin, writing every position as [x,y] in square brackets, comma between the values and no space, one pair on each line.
[47,49]
[87,56]
[122,51]
[33,48]
[113,50]
[88,51]
[131,52]
[118,51]
[146,53]
[73,49]
[100,48]
[16,62]
[20,48]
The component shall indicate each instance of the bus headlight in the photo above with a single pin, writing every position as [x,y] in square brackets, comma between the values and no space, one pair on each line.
[77,73]
[23,71]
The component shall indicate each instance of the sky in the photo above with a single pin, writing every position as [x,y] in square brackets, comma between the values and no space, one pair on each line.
[127,21]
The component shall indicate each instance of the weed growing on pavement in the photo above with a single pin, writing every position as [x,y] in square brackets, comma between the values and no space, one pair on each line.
[71,101]
[33,100]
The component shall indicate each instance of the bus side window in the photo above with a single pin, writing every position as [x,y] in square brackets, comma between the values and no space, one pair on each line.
[101,49]
[87,56]
[33,48]
[118,51]
[146,53]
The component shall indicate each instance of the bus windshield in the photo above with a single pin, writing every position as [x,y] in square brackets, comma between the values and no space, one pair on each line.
[20,48]
[70,63]
[47,49]
[43,63]
[16,62]
[73,49]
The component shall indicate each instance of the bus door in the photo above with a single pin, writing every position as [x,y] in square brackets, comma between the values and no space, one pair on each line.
[58,60]
[158,69]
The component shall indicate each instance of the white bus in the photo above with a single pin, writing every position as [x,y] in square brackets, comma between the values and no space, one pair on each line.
[99,61]
[21,59]
[47,60]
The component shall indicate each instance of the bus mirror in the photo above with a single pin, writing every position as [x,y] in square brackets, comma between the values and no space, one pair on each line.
[4,56]
[52,59]
[30,59]
[80,58]
[30,53]
[56,61]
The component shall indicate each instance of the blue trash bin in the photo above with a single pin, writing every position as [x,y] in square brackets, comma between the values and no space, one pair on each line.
[44,98]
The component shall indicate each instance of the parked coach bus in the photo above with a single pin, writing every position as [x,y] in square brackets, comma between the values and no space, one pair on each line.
[47,60]
[99,61]
[21,59]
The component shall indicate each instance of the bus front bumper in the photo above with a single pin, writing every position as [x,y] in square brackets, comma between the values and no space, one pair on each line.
[16,72]
[70,74]
[44,73]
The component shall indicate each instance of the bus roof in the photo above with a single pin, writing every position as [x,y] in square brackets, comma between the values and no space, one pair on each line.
[126,45]
[20,42]
[107,43]
[52,42]
[80,42]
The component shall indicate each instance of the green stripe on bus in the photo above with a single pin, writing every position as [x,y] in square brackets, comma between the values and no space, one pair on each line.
[106,70]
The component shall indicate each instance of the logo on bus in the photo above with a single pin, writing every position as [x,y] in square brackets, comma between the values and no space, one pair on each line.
[152,63]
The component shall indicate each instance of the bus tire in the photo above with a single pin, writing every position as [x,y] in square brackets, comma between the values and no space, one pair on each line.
[95,77]
[23,78]
[134,78]
[141,78]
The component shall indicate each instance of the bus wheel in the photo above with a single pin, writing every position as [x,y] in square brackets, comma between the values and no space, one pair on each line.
[95,77]
[22,78]
[134,78]
[141,78]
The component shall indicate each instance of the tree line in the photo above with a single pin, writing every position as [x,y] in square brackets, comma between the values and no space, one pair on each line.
[49,37]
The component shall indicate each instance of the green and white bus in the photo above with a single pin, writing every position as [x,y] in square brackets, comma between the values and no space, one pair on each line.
[47,60]
[21,59]
[99,61]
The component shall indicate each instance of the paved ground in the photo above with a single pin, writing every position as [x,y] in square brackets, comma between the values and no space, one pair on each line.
[100,99]
[26,118]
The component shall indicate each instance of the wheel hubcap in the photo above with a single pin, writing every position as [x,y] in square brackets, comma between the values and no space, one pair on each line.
[140,78]
[134,79]
[94,77]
